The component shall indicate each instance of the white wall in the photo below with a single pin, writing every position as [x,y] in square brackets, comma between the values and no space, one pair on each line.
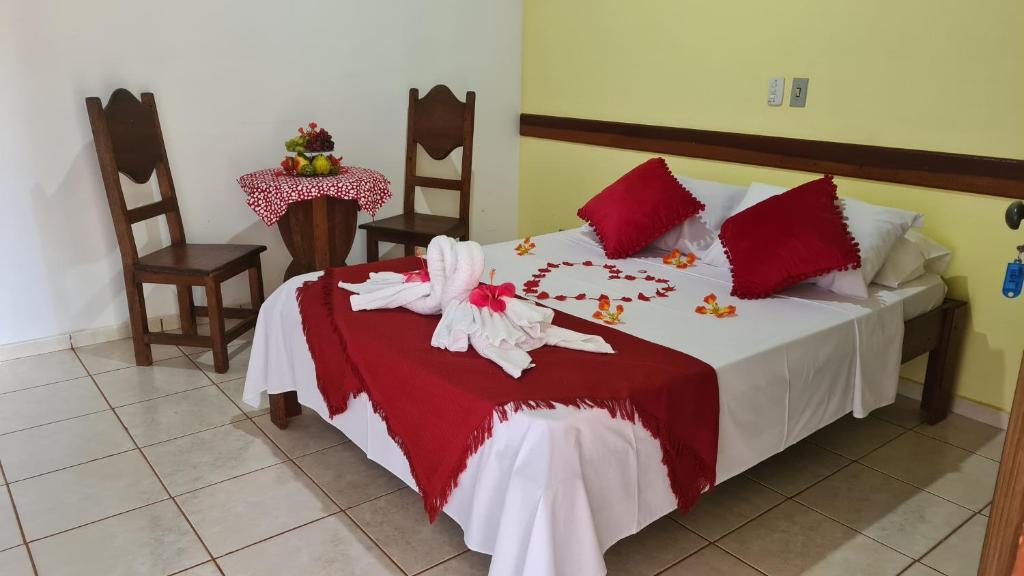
[233,80]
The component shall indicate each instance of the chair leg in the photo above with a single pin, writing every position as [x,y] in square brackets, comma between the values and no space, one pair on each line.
[256,285]
[372,249]
[186,310]
[138,320]
[410,249]
[215,307]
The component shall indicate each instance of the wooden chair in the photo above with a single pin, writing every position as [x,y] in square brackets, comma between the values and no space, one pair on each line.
[129,141]
[440,123]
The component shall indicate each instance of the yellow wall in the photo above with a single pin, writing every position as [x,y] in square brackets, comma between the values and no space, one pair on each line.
[931,74]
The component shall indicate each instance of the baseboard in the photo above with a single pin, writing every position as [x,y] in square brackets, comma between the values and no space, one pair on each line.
[33,347]
[88,337]
[962,406]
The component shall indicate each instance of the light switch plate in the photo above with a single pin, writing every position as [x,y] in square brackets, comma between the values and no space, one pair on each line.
[798,94]
[776,90]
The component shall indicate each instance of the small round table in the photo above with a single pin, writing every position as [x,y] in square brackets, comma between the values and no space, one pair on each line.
[316,215]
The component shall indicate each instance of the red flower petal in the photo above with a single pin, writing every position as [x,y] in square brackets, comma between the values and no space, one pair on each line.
[588,263]
[643,297]
[626,299]
[543,296]
[630,277]
[581,296]
[561,297]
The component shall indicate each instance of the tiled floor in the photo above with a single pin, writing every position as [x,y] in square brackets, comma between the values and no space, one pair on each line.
[107,468]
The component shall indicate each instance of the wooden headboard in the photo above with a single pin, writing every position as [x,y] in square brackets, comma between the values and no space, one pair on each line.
[960,172]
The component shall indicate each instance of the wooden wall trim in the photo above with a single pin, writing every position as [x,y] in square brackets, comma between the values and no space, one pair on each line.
[960,172]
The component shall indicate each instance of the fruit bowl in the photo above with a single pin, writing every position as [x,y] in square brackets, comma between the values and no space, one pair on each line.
[313,149]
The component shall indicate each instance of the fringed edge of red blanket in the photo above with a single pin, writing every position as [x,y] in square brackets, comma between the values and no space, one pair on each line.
[686,493]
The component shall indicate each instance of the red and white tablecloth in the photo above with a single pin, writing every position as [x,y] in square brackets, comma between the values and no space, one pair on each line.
[270,193]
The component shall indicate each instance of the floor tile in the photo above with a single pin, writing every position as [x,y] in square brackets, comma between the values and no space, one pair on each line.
[855,437]
[85,493]
[796,468]
[792,540]
[968,434]
[207,569]
[468,563]
[987,511]
[117,354]
[960,554]
[40,369]
[893,512]
[238,361]
[139,383]
[729,505]
[919,569]
[203,458]
[66,443]
[50,403]
[172,416]
[948,471]
[348,476]
[332,545]
[398,523]
[151,540]
[711,561]
[305,433]
[10,535]
[234,389]
[905,412]
[253,507]
[15,562]
[658,546]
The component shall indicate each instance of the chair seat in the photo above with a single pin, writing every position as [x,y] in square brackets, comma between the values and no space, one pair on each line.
[418,225]
[196,259]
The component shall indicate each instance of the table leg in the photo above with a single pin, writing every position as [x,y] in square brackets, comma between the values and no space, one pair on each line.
[321,234]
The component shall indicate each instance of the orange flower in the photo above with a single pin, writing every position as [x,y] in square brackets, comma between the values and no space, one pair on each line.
[604,313]
[677,259]
[714,309]
[525,247]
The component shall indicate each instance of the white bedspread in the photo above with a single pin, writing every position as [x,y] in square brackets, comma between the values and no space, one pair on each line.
[553,489]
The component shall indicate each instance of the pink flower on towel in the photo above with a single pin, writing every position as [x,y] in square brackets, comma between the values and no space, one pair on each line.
[421,275]
[490,296]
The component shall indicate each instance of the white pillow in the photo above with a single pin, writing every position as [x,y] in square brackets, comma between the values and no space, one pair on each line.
[905,263]
[936,256]
[910,258]
[875,228]
[697,234]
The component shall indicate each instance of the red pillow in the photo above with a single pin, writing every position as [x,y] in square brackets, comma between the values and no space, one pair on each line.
[787,239]
[638,208]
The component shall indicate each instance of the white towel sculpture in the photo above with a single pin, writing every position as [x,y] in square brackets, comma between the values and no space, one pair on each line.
[499,326]
[452,270]
[504,329]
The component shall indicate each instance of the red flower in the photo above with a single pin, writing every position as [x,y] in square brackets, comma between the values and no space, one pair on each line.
[490,296]
[604,311]
[713,309]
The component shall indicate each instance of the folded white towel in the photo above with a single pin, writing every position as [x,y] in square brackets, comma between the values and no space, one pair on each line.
[454,269]
[506,338]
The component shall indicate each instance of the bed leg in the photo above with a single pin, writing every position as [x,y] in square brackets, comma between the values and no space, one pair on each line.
[284,406]
[943,362]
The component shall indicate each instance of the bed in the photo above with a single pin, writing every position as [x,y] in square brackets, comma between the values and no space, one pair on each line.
[553,489]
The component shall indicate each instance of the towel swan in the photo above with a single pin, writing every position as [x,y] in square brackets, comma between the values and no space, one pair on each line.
[453,269]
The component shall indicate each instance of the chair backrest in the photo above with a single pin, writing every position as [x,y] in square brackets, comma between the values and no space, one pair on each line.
[129,141]
[440,123]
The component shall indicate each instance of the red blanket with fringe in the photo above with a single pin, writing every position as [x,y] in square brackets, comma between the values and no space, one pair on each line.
[439,406]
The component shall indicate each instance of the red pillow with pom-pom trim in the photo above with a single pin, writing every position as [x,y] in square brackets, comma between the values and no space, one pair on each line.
[638,208]
[786,239]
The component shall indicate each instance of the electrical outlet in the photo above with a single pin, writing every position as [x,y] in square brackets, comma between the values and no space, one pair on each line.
[798,95]
[776,90]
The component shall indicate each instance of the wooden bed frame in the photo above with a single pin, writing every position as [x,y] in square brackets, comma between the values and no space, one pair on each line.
[938,333]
